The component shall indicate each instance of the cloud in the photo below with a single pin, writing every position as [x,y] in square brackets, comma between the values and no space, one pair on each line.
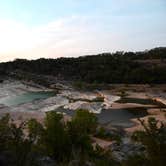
[75,35]
[79,35]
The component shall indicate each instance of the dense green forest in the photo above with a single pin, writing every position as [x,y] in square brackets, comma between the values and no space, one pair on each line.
[55,142]
[120,67]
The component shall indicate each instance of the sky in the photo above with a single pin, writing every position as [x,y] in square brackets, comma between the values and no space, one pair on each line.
[32,29]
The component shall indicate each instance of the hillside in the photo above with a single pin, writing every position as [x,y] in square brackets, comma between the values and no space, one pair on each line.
[120,67]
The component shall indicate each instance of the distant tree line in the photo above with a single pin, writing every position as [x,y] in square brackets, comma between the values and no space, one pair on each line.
[120,67]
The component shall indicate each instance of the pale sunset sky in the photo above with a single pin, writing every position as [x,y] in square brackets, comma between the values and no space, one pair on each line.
[54,28]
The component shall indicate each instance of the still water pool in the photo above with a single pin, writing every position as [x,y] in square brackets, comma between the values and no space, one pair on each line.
[26,98]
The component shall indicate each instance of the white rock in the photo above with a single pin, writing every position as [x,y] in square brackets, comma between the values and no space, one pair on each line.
[75,95]
[94,107]
[108,99]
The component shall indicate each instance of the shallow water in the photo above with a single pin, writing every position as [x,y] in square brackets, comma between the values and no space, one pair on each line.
[120,117]
[26,98]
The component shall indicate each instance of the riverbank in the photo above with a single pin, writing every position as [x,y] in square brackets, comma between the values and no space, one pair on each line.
[111,106]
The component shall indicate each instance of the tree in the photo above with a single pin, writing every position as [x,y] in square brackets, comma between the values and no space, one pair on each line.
[86,121]
[15,148]
[55,139]
[154,139]
[82,125]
